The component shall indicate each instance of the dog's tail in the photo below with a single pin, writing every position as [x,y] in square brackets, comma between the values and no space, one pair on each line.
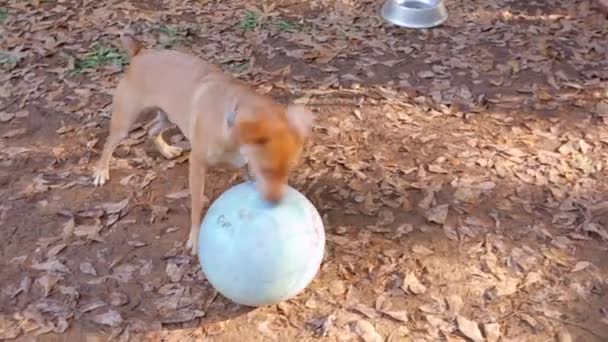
[132,45]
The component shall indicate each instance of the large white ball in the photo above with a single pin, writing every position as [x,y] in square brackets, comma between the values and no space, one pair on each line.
[256,253]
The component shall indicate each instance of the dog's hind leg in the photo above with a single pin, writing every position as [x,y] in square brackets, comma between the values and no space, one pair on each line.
[125,110]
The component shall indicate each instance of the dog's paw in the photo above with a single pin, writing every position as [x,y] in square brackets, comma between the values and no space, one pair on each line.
[192,246]
[171,152]
[101,176]
[192,243]
[166,150]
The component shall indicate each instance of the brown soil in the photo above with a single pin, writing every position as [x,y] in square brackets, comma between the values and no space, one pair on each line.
[460,172]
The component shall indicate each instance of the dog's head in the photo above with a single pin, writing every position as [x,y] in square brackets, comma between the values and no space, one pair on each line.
[272,141]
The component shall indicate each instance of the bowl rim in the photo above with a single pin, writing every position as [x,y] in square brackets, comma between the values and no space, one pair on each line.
[385,14]
[399,3]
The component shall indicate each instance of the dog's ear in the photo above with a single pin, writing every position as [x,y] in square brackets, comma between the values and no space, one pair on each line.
[300,119]
[252,133]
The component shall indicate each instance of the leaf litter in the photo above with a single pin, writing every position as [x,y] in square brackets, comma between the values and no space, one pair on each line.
[414,152]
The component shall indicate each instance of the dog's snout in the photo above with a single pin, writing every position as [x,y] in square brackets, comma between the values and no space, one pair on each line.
[274,196]
[275,193]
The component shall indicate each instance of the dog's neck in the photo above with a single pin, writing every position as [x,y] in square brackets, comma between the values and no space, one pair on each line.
[231,118]
[232,114]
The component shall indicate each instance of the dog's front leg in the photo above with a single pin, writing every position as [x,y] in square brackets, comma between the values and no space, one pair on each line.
[197,174]
[248,173]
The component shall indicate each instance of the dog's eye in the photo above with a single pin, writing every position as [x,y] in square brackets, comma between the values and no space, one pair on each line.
[261,141]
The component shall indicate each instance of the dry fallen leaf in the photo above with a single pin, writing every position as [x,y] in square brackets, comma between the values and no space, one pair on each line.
[322,325]
[426,74]
[450,232]
[179,194]
[337,288]
[455,304]
[174,272]
[182,315]
[492,331]
[110,318]
[532,278]
[52,307]
[602,108]
[385,218]
[115,207]
[367,331]
[92,306]
[411,284]
[438,214]
[69,291]
[53,251]
[265,329]
[400,316]
[171,230]
[87,268]
[89,231]
[51,266]
[399,335]
[469,329]
[118,299]
[6,117]
[158,213]
[47,282]
[68,229]
[597,229]
[437,169]
[123,272]
[15,132]
[435,307]
[136,244]
[421,250]
[427,201]
[563,335]
[366,311]
[9,329]
[581,265]
[507,287]
[24,287]
[214,328]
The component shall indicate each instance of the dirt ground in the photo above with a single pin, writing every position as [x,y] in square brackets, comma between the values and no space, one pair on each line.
[460,172]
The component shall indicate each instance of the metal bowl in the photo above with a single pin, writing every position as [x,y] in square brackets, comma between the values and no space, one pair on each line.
[415,13]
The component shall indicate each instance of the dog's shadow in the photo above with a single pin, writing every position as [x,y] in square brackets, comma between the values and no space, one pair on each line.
[214,310]
[222,310]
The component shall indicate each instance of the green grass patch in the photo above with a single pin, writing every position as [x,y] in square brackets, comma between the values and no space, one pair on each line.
[236,67]
[287,25]
[241,67]
[7,59]
[169,37]
[100,56]
[251,20]
[3,14]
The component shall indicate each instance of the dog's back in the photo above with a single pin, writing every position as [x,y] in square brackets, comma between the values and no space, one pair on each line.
[166,79]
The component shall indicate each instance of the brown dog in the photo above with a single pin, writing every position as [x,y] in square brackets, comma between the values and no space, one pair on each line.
[225,122]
